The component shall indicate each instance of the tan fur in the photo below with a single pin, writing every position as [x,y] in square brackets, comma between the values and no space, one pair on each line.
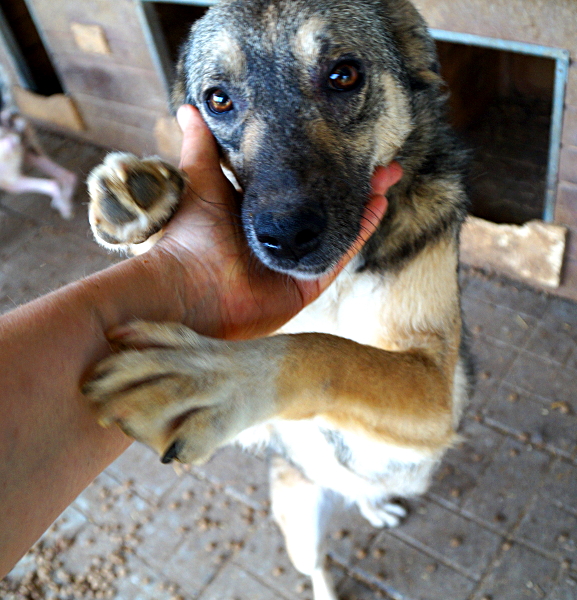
[254,133]
[306,41]
[230,55]
[393,126]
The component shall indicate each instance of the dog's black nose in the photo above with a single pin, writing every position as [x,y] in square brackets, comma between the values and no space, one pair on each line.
[289,235]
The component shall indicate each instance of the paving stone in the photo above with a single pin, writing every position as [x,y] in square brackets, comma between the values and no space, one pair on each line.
[565,590]
[141,583]
[553,341]
[520,574]
[264,556]
[464,465]
[484,390]
[545,422]
[13,228]
[477,448]
[519,298]
[493,359]
[551,528]
[46,260]
[561,484]
[353,589]
[243,473]
[458,541]
[68,525]
[107,501]
[499,322]
[504,490]
[572,360]
[408,573]
[234,583]
[544,378]
[140,465]
[194,531]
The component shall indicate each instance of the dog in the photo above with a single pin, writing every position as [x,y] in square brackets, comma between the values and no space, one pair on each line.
[19,147]
[362,392]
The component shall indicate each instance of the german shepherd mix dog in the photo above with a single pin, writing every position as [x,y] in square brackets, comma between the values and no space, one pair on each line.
[306,98]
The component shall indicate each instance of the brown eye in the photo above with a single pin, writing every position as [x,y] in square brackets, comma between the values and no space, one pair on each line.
[345,77]
[219,102]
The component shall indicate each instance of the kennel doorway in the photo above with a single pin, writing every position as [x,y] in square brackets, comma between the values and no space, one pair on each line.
[24,46]
[507,103]
[166,24]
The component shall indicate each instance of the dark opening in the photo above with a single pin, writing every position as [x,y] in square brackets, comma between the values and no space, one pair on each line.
[44,78]
[501,105]
[174,21]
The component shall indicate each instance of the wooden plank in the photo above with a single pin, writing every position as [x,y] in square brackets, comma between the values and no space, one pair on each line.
[128,85]
[57,109]
[121,113]
[90,38]
[119,136]
[119,19]
[532,252]
[122,51]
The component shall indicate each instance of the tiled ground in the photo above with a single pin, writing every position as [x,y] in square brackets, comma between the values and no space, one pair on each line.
[500,521]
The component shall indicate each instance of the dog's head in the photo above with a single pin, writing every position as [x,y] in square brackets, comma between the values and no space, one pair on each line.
[305,98]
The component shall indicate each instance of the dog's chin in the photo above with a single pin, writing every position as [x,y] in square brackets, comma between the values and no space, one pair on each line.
[306,270]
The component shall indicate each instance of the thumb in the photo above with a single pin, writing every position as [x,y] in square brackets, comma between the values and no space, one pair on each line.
[199,155]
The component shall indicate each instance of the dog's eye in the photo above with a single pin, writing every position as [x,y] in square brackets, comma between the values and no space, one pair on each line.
[345,77]
[219,102]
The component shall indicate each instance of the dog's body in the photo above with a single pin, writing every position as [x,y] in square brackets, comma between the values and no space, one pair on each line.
[19,147]
[306,99]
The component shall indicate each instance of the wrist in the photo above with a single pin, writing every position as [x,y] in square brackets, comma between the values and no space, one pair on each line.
[161,285]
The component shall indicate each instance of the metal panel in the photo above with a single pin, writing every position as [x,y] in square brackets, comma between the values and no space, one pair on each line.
[561,58]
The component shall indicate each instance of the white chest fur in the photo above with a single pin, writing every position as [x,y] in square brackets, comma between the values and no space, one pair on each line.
[351,308]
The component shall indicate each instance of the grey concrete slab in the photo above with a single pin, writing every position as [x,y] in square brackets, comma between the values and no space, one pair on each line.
[519,574]
[509,483]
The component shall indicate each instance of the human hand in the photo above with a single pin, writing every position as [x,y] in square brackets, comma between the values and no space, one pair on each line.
[225,290]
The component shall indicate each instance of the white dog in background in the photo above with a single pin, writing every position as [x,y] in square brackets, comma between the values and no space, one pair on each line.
[19,148]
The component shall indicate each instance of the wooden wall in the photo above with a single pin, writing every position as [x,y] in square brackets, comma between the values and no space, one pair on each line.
[119,94]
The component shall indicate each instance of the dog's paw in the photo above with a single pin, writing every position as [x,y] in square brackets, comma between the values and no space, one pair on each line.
[180,393]
[131,198]
[382,514]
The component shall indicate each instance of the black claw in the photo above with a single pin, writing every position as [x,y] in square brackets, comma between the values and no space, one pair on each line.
[172,452]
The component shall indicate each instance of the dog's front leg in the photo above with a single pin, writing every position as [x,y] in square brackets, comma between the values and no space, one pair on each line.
[186,395]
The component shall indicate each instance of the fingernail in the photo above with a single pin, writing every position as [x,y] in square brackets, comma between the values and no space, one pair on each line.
[183,115]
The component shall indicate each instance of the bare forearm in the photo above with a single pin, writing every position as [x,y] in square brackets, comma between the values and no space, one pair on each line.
[50,444]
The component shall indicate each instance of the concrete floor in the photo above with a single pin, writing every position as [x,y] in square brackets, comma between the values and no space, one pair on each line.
[499,523]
